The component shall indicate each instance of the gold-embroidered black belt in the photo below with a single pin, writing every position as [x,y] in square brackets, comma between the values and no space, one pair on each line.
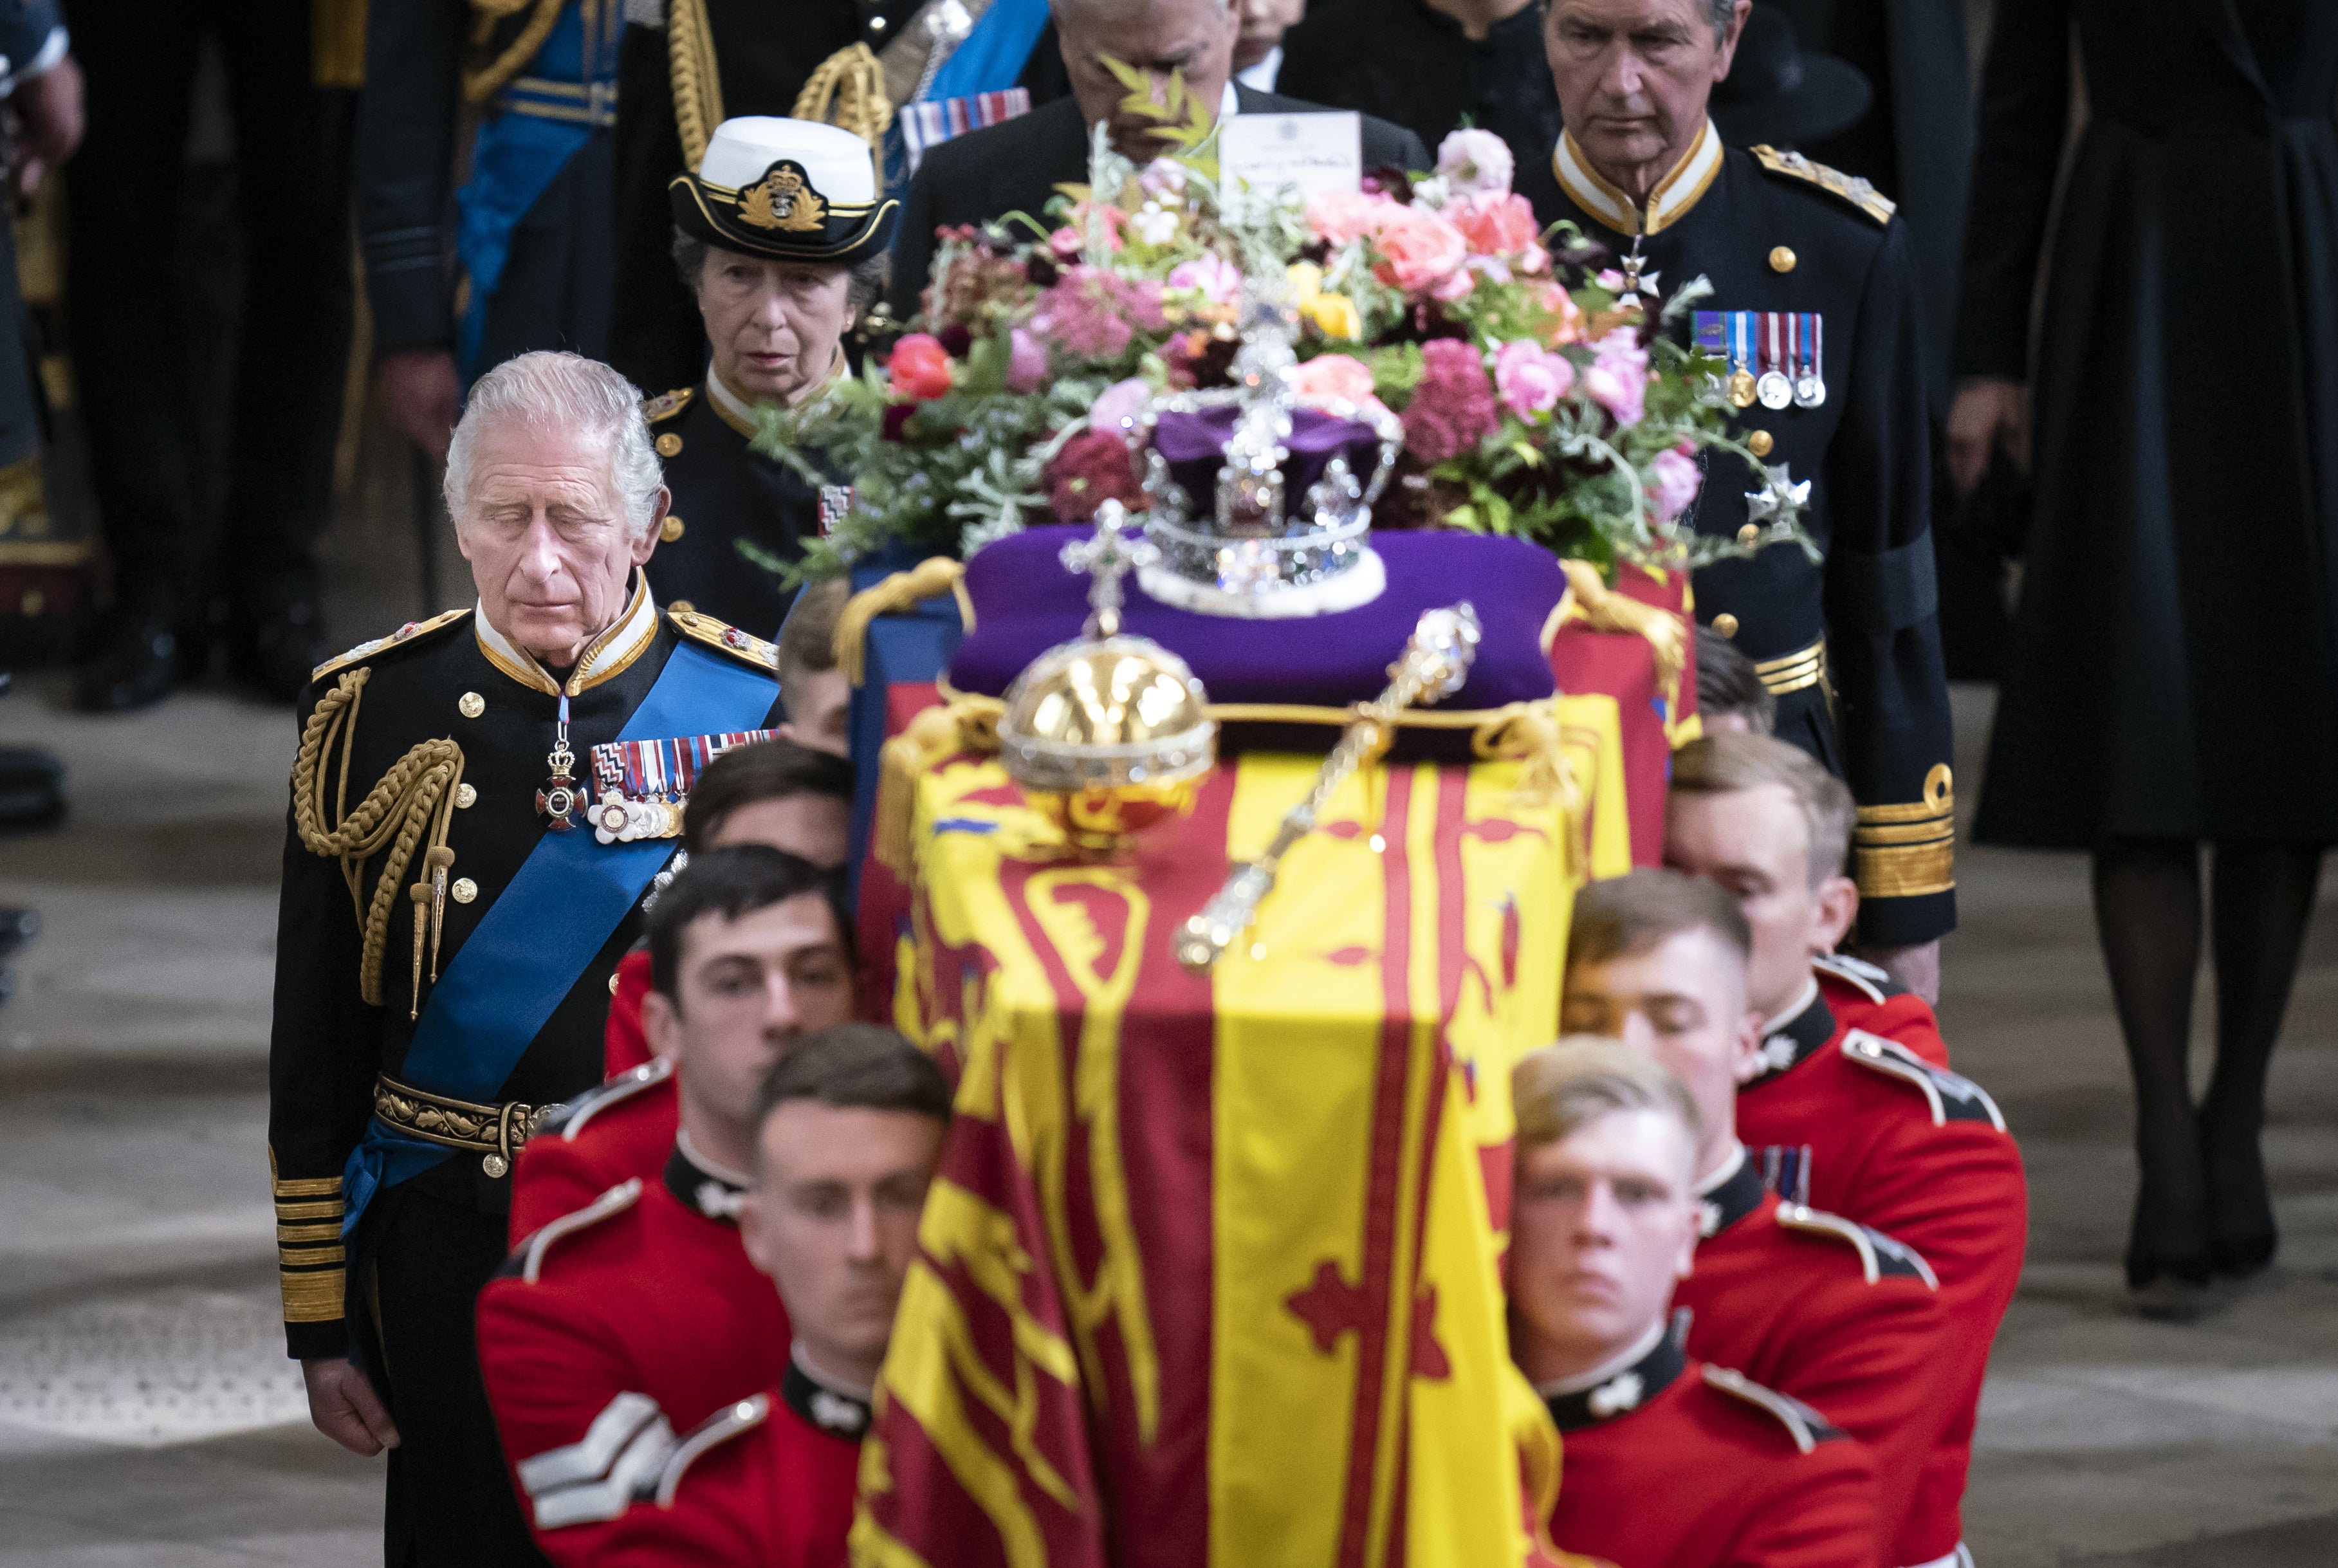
[498,1132]
[1795,671]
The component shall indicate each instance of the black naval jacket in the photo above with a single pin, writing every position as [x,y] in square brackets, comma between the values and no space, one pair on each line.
[435,679]
[1851,647]
[725,491]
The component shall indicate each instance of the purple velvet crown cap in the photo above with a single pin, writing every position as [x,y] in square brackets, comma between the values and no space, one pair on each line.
[1025,603]
[1193,445]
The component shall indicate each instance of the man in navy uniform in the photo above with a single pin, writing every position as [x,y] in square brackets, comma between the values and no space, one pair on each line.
[1816,308]
[527,234]
[479,803]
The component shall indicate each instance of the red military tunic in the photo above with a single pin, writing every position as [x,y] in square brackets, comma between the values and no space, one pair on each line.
[1849,1123]
[623,1128]
[612,1328]
[1677,1464]
[1844,1318]
[1859,995]
[625,1044]
[767,1483]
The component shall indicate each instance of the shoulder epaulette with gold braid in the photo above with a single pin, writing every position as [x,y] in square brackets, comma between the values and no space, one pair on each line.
[1849,188]
[411,631]
[666,405]
[715,634]
[691,69]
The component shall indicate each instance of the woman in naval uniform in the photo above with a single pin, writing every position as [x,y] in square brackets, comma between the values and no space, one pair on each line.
[781,236]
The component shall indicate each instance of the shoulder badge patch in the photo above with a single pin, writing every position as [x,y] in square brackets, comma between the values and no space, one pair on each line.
[528,1263]
[714,633]
[570,1118]
[1951,1097]
[722,1427]
[1806,1425]
[1848,188]
[1880,1257]
[1876,985]
[601,1475]
[666,405]
[412,631]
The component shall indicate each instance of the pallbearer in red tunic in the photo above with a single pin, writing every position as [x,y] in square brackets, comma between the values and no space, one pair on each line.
[851,1132]
[1843,1119]
[1667,1461]
[640,1315]
[1815,1306]
[626,1128]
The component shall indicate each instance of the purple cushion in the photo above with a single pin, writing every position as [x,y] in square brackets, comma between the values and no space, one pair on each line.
[1025,602]
[1195,447]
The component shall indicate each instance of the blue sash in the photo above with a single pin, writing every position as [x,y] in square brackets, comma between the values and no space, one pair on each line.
[532,945]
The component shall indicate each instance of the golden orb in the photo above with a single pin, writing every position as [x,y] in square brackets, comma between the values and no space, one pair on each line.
[1107,736]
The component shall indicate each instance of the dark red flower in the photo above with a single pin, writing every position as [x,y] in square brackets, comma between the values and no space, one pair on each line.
[895,416]
[1092,468]
[956,341]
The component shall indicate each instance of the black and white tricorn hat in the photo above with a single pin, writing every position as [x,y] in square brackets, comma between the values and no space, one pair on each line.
[793,190]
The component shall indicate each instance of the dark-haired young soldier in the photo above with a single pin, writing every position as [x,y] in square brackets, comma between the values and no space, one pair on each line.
[850,1132]
[1854,1111]
[791,797]
[1668,1461]
[1843,1317]
[1730,694]
[639,1312]
[625,1127]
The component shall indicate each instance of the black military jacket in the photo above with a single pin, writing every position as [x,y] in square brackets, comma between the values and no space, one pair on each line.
[1852,646]
[438,680]
[725,491]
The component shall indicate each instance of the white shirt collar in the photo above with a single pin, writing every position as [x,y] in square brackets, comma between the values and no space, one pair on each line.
[1230,101]
[624,642]
[1558,1388]
[1259,78]
[741,410]
[714,1169]
[1802,998]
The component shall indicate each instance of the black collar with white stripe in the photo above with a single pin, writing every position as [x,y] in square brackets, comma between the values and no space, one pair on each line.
[704,1190]
[1627,1390]
[1735,1196]
[839,1412]
[1790,1044]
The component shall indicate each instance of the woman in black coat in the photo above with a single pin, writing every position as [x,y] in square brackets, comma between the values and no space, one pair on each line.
[2174,678]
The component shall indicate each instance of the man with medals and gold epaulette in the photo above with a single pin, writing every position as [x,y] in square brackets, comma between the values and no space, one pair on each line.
[1813,306]
[780,233]
[480,804]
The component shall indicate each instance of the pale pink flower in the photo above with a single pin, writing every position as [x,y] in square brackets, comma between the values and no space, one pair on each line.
[1419,250]
[1027,363]
[1065,242]
[1474,160]
[1163,177]
[1332,378]
[1340,216]
[1530,378]
[1496,225]
[1673,483]
[1119,403]
[1215,278]
[1617,380]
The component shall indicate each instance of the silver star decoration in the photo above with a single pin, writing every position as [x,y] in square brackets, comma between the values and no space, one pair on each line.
[1708,1218]
[1778,1052]
[1106,557]
[1779,499]
[1617,1395]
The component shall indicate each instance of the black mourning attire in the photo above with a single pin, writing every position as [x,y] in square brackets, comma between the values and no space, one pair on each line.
[1849,646]
[401,1299]
[125,318]
[1412,66]
[1016,166]
[725,491]
[2175,672]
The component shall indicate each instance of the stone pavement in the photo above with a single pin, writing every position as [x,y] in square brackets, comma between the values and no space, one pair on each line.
[147,1417]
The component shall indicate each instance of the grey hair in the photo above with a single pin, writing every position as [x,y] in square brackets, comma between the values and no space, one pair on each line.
[1560,1090]
[1721,13]
[867,279]
[554,392]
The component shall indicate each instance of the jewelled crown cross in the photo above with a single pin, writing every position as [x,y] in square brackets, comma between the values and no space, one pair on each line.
[1107,556]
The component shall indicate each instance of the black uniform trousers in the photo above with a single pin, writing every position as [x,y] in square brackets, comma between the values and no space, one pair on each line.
[450,1502]
[127,329]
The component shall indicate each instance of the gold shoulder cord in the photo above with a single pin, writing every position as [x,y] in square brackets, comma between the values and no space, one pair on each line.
[848,91]
[697,89]
[416,793]
[484,84]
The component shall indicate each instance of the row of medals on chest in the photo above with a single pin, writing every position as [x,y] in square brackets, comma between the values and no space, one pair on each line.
[1780,339]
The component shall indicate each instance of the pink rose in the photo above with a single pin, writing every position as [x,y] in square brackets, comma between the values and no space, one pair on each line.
[1496,225]
[1530,378]
[1474,160]
[1027,363]
[1618,380]
[1217,279]
[1120,402]
[1340,216]
[1065,242]
[1673,484]
[919,368]
[1331,377]
[1419,250]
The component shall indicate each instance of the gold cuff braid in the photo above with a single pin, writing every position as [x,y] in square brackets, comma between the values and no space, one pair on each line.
[1908,849]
